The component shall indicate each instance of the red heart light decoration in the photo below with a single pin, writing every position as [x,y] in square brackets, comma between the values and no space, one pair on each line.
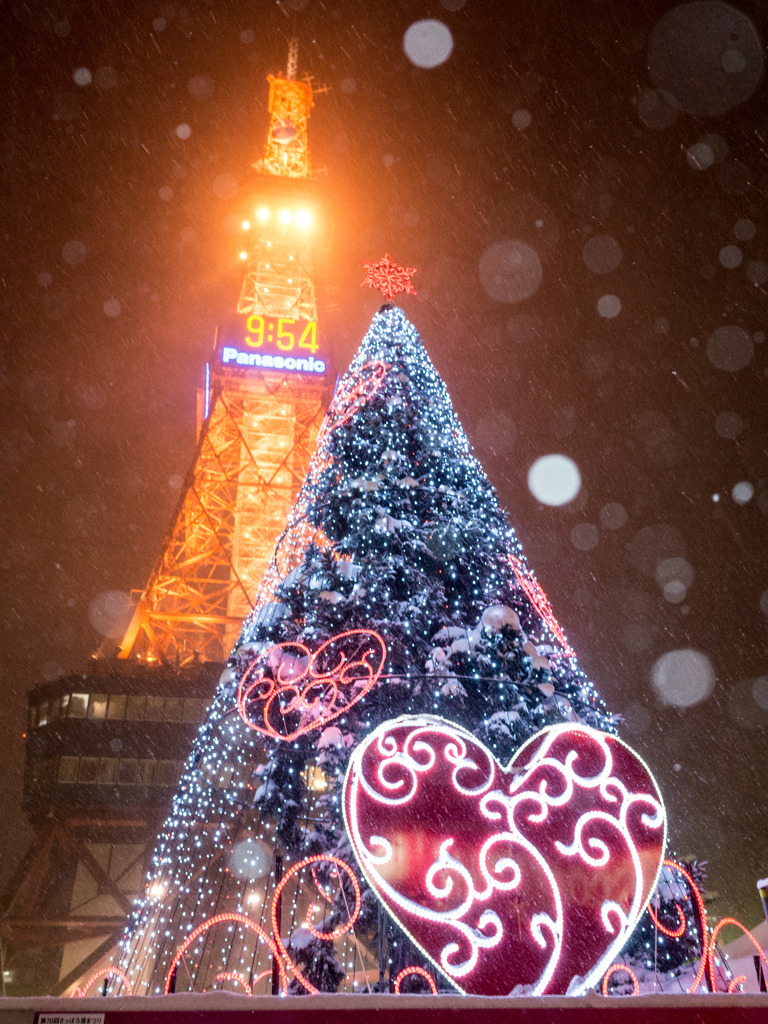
[288,690]
[527,878]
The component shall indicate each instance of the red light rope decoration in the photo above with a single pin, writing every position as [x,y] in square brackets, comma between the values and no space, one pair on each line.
[421,973]
[354,392]
[669,932]
[702,919]
[234,976]
[388,277]
[335,934]
[246,922]
[78,993]
[319,885]
[620,967]
[532,590]
[739,979]
[316,696]
[713,939]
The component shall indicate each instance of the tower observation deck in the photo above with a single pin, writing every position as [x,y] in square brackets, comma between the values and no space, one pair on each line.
[106,748]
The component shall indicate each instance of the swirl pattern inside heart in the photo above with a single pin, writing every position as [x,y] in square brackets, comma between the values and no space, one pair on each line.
[288,690]
[526,878]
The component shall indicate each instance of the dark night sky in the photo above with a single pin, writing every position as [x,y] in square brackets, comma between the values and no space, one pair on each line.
[551,124]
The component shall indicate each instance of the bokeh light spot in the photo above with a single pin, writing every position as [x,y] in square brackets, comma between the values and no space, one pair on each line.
[700,156]
[609,306]
[428,43]
[201,87]
[584,536]
[601,254]
[110,613]
[744,229]
[613,515]
[105,78]
[225,186]
[730,256]
[760,691]
[708,55]
[657,109]
[678,569]
[730,348]
[554,479]
[510,271]
[748,703]
[729,425]
[733,61]
[73,252]
[674,576]
[757,272]
[743,492]
[683,677]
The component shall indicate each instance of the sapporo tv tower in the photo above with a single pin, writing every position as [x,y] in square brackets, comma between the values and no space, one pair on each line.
[267,394]
[105,749]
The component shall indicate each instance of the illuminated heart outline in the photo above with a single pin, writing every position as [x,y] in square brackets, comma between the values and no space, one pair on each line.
[458,889]
[317,697]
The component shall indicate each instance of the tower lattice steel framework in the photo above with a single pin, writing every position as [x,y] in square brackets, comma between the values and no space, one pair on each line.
[254,446]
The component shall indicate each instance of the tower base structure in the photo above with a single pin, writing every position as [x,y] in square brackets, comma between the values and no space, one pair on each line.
[105,750]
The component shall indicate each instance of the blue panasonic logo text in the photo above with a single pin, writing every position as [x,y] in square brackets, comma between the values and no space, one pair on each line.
[232,356]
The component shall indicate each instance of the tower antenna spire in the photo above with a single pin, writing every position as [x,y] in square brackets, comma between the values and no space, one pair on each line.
[293,59]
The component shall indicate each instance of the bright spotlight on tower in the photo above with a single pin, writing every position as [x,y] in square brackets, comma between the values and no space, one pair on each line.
[303,219]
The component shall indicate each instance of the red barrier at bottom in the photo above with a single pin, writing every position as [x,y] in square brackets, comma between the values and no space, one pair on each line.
[228,1008]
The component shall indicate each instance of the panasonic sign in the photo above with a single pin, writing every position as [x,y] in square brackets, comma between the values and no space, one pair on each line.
[234,357]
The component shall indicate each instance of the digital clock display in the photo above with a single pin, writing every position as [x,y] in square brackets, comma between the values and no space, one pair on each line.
[271,342]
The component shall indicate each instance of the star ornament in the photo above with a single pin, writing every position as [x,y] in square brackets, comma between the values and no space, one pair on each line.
[388,277]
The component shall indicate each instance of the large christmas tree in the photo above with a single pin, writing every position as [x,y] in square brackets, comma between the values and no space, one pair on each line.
[398,587]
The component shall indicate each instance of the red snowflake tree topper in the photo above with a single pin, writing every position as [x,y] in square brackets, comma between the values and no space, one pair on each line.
[388,277]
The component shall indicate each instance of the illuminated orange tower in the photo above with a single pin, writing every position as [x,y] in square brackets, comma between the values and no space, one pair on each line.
[260,412]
